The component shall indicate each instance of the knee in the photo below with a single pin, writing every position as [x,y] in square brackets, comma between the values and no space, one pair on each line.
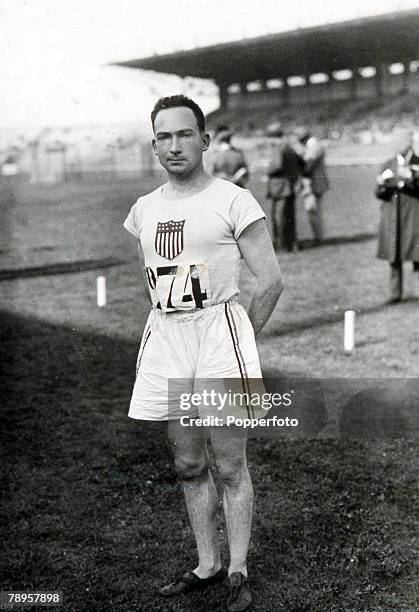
[189,468]
[232,471]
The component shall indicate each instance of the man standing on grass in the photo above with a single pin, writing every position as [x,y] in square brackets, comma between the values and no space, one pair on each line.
[398,188]
[284,173]
[192,233]
[315,183]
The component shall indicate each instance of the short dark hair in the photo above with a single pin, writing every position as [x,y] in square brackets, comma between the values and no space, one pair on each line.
[176,101]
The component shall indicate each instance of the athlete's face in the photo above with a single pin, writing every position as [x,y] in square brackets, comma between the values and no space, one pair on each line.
[178,141]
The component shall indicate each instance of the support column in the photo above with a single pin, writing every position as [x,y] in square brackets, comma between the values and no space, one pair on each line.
[380,79]
[328,87]
[307,87]
[223,94]
[244,94]
[285,91]
[406,77]
[354,83]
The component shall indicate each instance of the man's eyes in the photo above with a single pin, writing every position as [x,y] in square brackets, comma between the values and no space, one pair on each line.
[163,137]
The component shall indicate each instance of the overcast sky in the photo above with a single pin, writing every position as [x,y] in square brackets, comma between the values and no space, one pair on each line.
[53,53]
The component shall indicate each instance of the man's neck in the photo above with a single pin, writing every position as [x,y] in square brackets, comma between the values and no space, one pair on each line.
[183,185]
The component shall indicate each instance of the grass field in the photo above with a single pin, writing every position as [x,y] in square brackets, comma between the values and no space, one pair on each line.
[91,503]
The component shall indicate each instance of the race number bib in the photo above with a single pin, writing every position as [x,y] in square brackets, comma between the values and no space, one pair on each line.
[179,287]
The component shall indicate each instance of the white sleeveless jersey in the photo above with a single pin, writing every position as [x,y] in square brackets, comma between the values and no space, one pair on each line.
[192,259]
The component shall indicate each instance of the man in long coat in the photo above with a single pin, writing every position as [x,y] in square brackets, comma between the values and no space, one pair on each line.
[398,188]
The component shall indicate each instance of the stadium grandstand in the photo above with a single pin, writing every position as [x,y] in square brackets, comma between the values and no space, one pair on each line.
[340,78]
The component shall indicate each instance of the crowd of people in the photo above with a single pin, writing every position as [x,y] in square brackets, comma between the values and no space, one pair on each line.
[297,174]
[358,121]
[296,170]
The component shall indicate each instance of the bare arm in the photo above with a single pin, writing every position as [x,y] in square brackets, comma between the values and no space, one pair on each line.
[256,247]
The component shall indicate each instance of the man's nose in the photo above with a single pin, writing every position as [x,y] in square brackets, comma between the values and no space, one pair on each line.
[175,145]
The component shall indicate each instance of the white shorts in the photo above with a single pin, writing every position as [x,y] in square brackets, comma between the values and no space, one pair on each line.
[180,350]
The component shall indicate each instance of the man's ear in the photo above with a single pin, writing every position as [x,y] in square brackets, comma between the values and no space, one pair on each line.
[206,139]
[154,145]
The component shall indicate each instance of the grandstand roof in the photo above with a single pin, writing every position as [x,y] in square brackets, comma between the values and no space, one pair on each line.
[386,38]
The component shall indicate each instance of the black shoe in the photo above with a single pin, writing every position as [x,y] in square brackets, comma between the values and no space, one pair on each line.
[394,300]
[240,598]
[190,582]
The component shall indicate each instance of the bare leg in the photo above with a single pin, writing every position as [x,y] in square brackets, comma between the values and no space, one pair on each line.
[230,454]
[191,461]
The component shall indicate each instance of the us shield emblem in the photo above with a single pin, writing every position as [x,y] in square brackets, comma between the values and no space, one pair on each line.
[169,238]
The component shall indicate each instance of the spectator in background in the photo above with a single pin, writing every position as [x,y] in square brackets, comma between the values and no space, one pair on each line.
[218,130]
[211,154]
[229,162]
[316,182]
[284,172]
[398,188]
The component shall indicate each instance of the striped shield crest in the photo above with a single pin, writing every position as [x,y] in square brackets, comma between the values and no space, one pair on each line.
[169,238]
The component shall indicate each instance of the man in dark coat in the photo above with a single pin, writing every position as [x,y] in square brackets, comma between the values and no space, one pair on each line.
[398,188]
[229,162]
[316,181]
[285,169]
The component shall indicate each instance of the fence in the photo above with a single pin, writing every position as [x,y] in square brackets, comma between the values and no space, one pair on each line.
[57,163]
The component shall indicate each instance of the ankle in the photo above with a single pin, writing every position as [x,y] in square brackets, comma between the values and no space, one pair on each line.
[206,570]
[240,569]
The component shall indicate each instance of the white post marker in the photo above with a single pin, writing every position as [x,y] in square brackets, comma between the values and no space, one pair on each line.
[101,291]
[349,331]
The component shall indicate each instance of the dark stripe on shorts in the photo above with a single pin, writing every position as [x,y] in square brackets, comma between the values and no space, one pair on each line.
[239,356]
[246,377]
[140,356]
